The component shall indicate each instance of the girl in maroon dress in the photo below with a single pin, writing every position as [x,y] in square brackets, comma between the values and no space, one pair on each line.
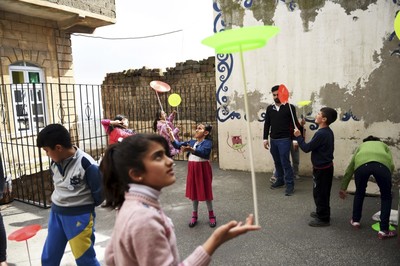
[199,176]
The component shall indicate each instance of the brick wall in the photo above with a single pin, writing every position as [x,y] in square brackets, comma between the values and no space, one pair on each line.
[191,79]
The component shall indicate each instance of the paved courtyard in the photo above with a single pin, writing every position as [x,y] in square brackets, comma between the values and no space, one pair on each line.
[285,237]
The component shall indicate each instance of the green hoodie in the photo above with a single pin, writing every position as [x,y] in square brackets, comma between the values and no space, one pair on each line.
[369,151]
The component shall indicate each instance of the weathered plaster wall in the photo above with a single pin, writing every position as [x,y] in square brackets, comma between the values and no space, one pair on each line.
[341,54]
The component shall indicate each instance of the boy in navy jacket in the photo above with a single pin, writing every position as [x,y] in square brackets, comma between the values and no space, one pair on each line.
[321,146]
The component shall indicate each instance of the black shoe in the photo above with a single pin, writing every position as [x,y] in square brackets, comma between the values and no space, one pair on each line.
[314,215]
[319,223]
[277,185]
[289,192]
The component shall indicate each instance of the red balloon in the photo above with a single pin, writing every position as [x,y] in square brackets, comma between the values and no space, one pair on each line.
[283,94]
[160,86]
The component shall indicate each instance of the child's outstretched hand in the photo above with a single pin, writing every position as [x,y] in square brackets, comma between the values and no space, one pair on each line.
[297,132]
[228,231]
[170,133]
[187,149]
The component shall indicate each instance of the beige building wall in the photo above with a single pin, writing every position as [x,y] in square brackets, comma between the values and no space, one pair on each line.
[340,54]
[37,32]
[36,41]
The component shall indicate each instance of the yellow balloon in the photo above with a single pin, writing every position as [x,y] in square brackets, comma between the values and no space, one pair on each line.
[397,25]
[174,99]
[303,103]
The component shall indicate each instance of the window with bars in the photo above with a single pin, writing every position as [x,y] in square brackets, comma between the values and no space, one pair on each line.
[27,95]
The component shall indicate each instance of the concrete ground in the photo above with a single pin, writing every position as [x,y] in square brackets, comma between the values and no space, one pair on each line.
[285,237]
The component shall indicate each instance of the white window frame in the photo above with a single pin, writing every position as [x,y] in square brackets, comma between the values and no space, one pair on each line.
[22,96]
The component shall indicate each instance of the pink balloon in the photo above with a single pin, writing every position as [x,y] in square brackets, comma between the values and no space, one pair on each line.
[160,86]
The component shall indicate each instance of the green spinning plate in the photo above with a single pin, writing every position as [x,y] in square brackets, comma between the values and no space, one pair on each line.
[303,103]
[240,39]
[397,25]
[376,227]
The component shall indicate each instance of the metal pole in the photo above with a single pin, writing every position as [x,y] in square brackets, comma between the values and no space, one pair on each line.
[29,255]
[249,135]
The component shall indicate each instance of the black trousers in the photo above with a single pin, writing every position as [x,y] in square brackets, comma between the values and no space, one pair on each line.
[322,192]
[3,241]
[3,237]
[383,178]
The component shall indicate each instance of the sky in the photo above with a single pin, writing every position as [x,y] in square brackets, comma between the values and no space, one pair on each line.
[193,19]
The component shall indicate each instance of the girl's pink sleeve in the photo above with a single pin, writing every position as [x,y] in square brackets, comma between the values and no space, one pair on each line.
[171,117]
[106,124]
[175,131]
[124,134]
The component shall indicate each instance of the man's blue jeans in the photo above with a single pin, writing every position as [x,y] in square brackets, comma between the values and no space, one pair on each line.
[280,151]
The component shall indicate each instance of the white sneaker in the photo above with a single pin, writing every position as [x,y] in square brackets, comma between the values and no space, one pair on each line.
[272,179]
[386,234]
[297,177]
[355,225]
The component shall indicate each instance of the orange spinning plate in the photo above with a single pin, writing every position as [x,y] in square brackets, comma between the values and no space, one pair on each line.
[160,86]
[25,232]
[283,94]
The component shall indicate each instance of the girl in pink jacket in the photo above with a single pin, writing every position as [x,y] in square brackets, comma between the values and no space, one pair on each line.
[163,125]
[134,172]
[117,129]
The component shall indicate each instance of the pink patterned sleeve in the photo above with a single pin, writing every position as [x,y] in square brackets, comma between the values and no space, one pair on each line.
[171,117]
[106,124]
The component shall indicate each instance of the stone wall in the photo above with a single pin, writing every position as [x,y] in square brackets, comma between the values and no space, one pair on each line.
[189,72]
[100,7]
[199,75]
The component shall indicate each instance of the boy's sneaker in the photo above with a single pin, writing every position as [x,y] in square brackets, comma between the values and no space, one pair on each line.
[272,179]
[356,225]
[319,223]
[289,192]
[277,185]
[386,234]
[314,215]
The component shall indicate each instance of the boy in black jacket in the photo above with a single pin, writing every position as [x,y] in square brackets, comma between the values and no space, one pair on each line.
[321,147]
